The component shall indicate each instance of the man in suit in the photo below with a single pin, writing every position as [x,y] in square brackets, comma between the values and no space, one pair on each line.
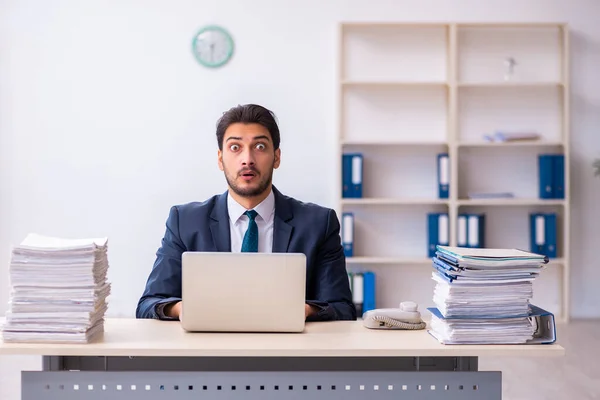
[252,215]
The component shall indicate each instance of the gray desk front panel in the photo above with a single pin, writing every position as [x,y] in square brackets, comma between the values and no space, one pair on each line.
[292,385]
[89,363]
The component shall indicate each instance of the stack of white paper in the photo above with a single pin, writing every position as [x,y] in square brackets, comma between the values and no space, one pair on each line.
[483,295]
[58,290]
[481,330]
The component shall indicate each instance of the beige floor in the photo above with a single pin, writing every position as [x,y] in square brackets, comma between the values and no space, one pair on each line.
[573,377]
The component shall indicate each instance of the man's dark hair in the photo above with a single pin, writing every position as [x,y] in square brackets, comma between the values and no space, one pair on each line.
[248,114]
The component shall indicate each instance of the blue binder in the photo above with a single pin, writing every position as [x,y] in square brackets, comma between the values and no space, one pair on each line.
[462,230]
[443,175]
[551,250]
[438,232]
[369,302]
[352,175]
[537,233]
[545,167]
[543,234]
[475,230]
[358,291]
[558,171]
[552,176]
[348,233]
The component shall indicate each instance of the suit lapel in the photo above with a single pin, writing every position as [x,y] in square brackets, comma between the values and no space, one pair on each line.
[219,224]
[282,230]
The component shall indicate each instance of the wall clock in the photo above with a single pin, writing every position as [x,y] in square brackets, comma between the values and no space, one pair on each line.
[212,46]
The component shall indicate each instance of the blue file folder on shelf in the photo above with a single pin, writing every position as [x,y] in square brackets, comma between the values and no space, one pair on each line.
[362,285]
[369,291]
[438,232]
[475,230]
[551,169]
[348,233]
[559,173]
[352,175]
[470,230]
[540,324]
[543,234]
[443,175]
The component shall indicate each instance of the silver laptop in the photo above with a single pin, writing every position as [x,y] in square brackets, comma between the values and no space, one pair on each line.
[243,292]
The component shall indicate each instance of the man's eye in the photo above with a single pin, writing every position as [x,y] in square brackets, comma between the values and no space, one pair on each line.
[234,147]
[260,146]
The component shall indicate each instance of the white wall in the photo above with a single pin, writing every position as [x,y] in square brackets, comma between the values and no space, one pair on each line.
[106,119]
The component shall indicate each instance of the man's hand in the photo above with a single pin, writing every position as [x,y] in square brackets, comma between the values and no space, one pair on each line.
[309,310]
[173,310]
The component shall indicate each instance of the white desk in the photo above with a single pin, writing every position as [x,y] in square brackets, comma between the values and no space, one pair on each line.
[148,359]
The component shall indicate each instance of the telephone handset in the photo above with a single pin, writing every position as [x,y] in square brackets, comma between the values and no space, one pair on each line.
[405,317]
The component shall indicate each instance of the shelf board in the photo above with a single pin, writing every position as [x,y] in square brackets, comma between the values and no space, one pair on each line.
[394,83]
[391,201]
[485,25]
[511,202]
[391,143]
[388,260]
[523,143]
[393,24]
[509,84]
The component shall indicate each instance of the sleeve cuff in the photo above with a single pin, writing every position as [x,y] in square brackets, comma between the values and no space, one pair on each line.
[325,311]
[159,309]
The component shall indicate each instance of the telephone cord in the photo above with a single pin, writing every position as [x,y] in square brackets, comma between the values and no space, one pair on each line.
[399,324]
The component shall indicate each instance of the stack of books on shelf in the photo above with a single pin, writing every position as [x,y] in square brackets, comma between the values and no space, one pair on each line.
[58,290]
[483,296]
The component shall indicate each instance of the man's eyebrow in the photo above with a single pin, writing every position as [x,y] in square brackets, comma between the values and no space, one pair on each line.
[254,138]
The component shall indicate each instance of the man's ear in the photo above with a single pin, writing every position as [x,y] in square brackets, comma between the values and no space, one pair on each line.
[277,158]
[220,159]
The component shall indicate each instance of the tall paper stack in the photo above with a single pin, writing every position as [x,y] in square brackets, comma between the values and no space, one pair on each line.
[483,295]
[58,290]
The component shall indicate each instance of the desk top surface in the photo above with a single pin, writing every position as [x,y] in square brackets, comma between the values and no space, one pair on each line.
[144,337]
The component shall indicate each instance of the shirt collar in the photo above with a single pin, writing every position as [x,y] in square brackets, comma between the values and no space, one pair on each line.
[265,208]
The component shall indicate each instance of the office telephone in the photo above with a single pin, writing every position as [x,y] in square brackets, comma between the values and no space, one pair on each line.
[406,317]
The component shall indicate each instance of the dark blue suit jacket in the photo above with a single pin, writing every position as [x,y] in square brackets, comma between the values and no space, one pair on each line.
[297,228]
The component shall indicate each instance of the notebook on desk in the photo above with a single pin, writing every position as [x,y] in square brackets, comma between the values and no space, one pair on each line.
[243,292]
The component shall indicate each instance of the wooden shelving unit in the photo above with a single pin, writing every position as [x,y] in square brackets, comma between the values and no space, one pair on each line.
[408,92]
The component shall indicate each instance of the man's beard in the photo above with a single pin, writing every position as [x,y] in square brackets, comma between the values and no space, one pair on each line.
[263,184]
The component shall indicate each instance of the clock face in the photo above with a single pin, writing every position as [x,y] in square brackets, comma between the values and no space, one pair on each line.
[212,46]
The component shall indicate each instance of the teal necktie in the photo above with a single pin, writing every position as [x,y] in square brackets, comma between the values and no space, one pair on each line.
[250,243]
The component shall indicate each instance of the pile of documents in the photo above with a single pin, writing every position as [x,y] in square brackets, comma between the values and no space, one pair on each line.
[58,290]
[483,295]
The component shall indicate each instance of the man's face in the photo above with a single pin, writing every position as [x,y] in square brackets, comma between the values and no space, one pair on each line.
[248,159]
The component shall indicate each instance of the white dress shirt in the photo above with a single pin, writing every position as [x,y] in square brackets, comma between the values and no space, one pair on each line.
[238,223]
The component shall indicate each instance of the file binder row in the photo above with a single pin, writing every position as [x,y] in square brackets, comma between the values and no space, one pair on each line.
[470,231]
[543,232]
[551,176]
[352,175]
[362,285]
